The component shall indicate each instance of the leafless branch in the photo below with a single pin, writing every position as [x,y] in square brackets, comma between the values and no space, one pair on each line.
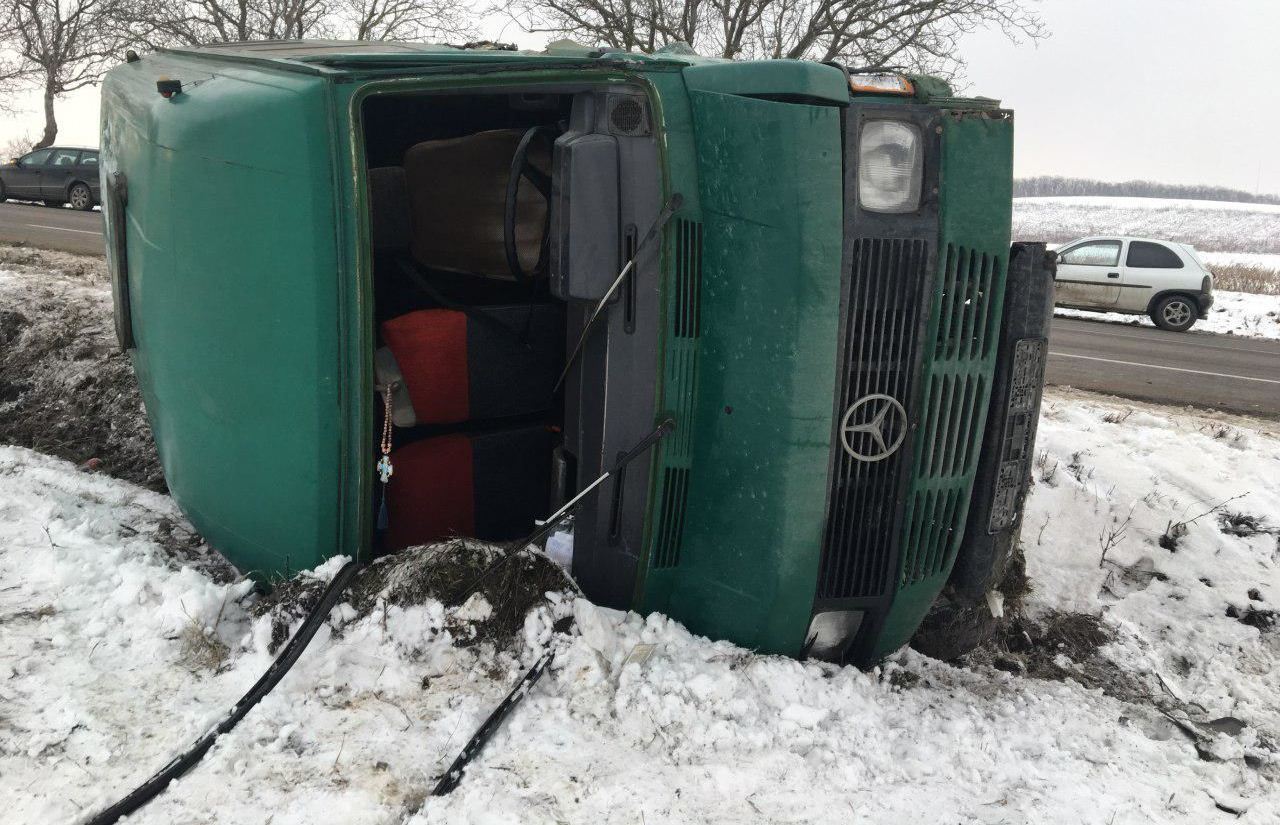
[916,34]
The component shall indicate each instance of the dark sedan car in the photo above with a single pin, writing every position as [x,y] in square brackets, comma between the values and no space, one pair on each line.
[55,175]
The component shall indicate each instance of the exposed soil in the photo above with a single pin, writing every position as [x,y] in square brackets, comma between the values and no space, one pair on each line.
[955,625]
[512,582]
[65,387]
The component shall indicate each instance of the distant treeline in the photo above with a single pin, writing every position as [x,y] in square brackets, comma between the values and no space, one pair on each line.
[1052,185]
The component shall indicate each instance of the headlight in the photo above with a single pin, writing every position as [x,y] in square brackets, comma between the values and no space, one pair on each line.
[889,166]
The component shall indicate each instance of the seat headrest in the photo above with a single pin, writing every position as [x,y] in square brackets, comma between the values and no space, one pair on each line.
[389,218]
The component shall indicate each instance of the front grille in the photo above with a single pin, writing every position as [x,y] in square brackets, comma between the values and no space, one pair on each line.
[889,283]
[965,317]
[957,392]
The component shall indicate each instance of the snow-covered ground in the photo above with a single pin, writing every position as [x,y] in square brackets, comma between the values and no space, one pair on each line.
[1209,226]
[1233,313]
[113,656]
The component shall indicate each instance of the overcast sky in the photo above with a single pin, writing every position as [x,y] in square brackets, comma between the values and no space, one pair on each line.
[1179,91]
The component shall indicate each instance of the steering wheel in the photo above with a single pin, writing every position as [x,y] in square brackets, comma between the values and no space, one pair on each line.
[522,168]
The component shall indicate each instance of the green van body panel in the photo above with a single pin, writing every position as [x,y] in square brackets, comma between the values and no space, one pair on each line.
[793,80]
[761,419]
[250,284]
[235,301]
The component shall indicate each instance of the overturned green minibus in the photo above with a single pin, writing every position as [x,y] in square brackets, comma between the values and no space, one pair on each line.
[379,294]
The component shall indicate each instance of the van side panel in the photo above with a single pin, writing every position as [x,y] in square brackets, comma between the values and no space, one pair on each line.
[233,284]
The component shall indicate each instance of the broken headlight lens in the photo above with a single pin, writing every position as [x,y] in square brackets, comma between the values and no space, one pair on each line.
[889,166]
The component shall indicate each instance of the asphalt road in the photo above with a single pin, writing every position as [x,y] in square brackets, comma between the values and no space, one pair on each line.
[1221,372]
[50,227]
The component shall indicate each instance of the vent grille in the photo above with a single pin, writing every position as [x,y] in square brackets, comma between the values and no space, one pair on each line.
[965,317]
[688,278]
[678,379]
[675,492]
[888,282]
[627,116]
[957,392]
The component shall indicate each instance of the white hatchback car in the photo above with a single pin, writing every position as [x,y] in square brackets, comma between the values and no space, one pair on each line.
[1142,276]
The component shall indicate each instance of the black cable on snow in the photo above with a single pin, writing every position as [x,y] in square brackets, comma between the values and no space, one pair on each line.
[156,785]
[481,737]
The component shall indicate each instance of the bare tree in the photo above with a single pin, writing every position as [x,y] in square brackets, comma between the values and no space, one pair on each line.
[17,146]
[403,19]
[197,22]
[58,46]
[917,34]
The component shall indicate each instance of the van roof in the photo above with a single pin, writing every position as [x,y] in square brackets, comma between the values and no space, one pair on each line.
[325,56]
[380,58]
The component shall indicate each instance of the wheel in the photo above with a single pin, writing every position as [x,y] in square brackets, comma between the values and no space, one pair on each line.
[80,197]
[521,167]
[1175,312]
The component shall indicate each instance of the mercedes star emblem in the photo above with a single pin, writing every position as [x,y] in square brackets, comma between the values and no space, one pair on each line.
[873,427]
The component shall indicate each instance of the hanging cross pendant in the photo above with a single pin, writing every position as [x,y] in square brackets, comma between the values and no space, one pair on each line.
[385,469]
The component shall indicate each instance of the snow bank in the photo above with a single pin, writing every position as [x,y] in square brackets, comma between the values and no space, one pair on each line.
[1233,313]
[639,721]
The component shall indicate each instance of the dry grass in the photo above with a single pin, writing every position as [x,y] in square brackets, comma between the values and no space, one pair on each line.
[201,647]
[1258,280]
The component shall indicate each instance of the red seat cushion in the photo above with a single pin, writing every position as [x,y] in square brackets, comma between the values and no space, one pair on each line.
[430,347]
[498,364]
[488,485]
[431,495]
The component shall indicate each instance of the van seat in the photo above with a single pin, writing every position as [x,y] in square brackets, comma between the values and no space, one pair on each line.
[457,190]
[489,485]
[470,367]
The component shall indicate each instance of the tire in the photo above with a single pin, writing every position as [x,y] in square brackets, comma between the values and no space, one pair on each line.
[80,197]
[1175,313]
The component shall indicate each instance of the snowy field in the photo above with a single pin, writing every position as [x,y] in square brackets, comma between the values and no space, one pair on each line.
[114,655]
[1233,313]
[1209,226]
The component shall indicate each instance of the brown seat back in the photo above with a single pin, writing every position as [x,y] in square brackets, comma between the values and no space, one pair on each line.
[457,194]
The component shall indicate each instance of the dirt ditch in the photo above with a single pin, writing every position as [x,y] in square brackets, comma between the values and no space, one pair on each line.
[65,387]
